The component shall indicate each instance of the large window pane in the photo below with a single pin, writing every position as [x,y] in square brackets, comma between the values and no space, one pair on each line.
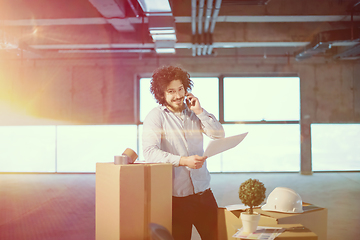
[266,148]
[335,147]
[147,100]
[27,149]
[81,147]
[207,91]
[265,98]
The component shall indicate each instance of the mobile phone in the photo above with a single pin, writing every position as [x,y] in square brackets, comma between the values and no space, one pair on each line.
[187,101]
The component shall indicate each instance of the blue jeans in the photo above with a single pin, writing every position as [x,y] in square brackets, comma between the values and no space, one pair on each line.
[199,210]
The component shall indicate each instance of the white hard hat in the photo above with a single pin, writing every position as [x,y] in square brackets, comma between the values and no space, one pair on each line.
[283,199]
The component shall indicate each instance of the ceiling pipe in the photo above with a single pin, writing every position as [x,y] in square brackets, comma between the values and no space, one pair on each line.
[213,22]
[113,10]
[209,6]
[200,17]
[202,38]
[193,27]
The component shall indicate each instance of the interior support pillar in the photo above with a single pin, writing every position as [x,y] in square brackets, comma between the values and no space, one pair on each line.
[305,150]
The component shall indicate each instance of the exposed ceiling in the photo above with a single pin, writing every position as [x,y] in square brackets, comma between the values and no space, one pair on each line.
[47,29]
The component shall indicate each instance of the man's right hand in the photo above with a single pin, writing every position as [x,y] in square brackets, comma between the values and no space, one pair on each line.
[194,161]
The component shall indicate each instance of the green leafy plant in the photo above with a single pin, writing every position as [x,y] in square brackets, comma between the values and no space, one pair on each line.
[252,193]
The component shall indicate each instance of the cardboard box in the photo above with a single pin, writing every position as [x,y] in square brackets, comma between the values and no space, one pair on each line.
[296,235]
[313,218]
[304,234]
[228,223]
[129,197]
[292,232]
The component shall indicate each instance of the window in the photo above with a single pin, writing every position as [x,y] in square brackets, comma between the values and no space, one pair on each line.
[335,147]
[207,91]
[81,147]
[147,101]
[261,98]
[266,148]
[27,148]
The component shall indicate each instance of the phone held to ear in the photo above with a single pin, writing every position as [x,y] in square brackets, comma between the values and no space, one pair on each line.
[187,102]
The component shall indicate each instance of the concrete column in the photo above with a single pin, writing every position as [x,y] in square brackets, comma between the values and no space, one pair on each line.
[308,101]
[305,163]
[356,79]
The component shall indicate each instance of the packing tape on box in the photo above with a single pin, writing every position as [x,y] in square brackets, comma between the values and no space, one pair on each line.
[131,154]
[121,160]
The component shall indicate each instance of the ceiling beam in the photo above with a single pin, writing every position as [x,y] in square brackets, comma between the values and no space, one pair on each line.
[177,45]
[179,19]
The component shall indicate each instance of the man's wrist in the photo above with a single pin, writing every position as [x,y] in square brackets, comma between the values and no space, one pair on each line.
[198,111]
[183,161]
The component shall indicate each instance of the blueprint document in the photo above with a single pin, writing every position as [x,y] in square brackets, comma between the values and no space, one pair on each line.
[223,144]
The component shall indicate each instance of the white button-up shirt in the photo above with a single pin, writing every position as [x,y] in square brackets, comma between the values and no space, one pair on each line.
[167,138]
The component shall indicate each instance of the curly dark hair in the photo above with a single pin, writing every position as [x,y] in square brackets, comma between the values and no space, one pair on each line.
[162,77]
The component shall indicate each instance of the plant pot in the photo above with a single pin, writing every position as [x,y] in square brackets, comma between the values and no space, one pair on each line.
[249,221]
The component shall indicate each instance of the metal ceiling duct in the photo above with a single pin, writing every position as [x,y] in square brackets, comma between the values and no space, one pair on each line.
[213,22]
[193,27]
[202,37]
[206,38]
[114,13]
[325,40]
[351,53]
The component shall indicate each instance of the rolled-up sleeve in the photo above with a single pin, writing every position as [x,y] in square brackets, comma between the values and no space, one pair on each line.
[210,125]
[151,140]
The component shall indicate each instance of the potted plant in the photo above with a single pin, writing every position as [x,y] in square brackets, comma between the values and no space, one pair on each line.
[251,194]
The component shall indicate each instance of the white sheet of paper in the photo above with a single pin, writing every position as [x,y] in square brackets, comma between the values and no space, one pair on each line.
[223,144]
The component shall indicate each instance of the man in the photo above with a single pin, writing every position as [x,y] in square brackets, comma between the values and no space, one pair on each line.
[172,133]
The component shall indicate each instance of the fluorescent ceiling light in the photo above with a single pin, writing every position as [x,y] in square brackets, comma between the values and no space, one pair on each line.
[164,44]
[155,6]
[165,50]
[168,37]
[162,31]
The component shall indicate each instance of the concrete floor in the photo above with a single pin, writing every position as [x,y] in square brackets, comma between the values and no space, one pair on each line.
[62,206]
